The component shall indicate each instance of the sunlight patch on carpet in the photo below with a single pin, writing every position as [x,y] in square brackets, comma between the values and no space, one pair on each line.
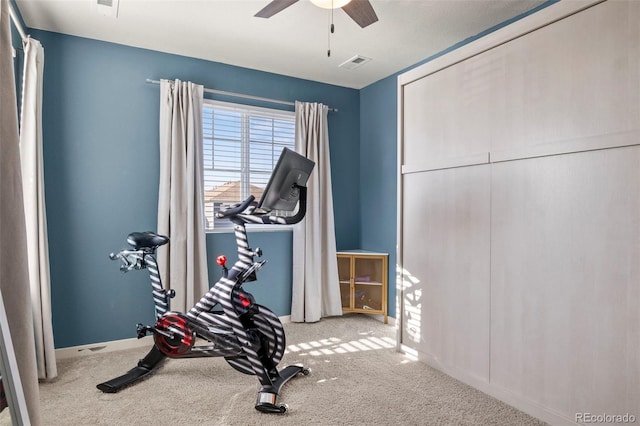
[333,346]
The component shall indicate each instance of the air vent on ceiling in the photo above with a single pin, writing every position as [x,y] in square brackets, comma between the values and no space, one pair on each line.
[107,7]
[355,62]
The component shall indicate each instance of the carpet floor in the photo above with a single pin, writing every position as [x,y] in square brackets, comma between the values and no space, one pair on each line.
[357,378]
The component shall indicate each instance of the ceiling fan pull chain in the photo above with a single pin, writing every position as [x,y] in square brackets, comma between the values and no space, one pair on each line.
[330,31]
[332,9]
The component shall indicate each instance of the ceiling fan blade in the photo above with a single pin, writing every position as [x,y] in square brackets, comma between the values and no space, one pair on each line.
[361,11]
[274,7]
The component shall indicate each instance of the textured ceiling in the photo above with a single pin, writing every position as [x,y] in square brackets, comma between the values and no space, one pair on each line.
[294,42]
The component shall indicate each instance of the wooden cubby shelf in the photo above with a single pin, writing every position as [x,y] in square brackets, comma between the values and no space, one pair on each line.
[363,282]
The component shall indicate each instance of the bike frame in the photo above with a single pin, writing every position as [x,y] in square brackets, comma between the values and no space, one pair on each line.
[248,335]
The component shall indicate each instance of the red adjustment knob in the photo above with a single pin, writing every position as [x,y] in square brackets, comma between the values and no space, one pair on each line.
[221,260]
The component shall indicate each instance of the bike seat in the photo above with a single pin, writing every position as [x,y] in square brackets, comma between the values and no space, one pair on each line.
[146,240]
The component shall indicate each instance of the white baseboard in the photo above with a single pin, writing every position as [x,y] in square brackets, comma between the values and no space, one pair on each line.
[285,319]
[114,345]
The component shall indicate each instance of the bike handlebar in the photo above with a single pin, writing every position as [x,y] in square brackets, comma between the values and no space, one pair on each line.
[237,209]
[235,213]
[288,220]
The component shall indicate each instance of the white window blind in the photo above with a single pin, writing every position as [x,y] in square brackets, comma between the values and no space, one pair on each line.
[241,146]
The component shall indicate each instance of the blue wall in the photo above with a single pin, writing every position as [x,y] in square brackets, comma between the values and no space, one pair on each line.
[378,181]
[101,171]
[101,168]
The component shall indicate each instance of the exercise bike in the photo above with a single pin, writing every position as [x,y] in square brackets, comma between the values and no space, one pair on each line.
[249,336]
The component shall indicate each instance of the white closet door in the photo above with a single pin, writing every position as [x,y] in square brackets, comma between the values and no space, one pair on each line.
[446,267]
[519,221]
[565,268]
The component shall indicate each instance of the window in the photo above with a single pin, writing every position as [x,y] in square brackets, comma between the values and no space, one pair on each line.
[241,145]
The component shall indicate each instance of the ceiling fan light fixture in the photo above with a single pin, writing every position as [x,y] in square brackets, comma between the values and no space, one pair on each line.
[330,4]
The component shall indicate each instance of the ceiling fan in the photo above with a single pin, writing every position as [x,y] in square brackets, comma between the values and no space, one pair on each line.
[360,11]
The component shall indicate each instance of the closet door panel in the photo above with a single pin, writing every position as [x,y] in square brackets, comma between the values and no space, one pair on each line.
[446,267]
[446,115]
[585,86]
[532,96]
[565,256]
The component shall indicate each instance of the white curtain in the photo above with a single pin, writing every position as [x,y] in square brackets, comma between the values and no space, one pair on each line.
[183,262]
[34,207]
[316,289]
[14,273]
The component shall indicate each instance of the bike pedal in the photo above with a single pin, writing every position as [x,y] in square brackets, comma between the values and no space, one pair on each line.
[143,330]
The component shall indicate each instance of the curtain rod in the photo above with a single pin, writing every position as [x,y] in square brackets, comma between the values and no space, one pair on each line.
[16,21]
[240,95]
